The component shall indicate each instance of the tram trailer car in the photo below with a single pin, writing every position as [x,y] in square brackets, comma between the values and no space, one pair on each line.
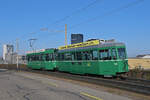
[107,59]
[44,59]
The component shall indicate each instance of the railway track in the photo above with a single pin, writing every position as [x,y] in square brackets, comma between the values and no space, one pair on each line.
[129,84]
[140,81]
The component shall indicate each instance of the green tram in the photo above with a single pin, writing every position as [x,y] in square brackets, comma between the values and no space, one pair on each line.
[108,59]
[93,57]
[44,59]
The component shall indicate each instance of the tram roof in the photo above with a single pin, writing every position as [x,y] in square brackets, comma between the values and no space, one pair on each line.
[101,45]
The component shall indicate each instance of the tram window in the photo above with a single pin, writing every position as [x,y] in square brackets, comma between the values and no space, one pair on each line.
[105,54]
[41,57]
[67,56]
[55,56]
[90,55]
[28,58]
[62,57]
[84,55]
[50,57]
[79,56]
[87,55]
[47,57]
[95,55]
[114,54]
[73,56]
[58,57]
[121,53]
[34,58]
[37,57]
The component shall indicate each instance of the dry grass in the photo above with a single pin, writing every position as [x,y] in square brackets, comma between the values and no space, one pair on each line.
[144,63]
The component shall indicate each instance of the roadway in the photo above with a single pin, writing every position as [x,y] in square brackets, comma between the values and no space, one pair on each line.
[28,86]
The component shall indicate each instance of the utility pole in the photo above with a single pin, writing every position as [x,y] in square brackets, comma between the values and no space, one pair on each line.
[17,51]
[65,34]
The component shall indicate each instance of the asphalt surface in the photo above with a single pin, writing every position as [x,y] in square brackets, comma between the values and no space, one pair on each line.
[27,86]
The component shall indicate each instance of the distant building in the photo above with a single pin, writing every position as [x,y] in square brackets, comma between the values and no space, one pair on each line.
[76,38]
[10,58]
[7,50]
[147,56]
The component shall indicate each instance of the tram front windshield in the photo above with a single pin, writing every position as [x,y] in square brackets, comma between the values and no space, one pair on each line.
[121,53]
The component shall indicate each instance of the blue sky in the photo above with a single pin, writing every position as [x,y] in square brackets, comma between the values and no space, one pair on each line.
[23,19]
